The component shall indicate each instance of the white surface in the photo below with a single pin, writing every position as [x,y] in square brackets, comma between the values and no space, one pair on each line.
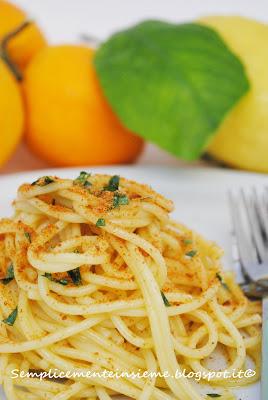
[199,196]
[63,20]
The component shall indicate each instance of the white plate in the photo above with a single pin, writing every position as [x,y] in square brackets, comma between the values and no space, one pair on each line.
[199,195]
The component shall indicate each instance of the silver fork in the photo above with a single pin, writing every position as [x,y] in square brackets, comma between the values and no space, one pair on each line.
[249,214]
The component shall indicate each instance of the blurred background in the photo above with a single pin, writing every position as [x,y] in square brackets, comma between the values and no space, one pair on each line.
[63,20]
[66,21]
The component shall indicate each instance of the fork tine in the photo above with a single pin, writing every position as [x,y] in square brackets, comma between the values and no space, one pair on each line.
[244,244]
[252,207]
[253,291]
[262,213]
[262,208]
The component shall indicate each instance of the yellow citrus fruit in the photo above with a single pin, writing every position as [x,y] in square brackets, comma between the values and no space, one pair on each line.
[11,113]
[242,139]
[69,122]
[25,45]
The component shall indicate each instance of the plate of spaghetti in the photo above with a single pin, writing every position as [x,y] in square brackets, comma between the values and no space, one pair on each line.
[104,293]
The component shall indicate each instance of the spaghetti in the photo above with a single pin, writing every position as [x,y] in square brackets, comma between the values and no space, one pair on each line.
[96,276]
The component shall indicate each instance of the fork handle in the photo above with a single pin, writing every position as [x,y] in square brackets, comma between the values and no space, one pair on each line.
[264,380]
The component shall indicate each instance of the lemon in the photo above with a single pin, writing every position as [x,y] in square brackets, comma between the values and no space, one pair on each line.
[242,139]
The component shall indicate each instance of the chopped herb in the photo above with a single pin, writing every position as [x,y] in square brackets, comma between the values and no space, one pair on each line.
[224,284]
[87,184]
[60,281]
[28,236]
[113,184]
[187,241]
[213,395]
[43,181]
[191,253]
[76,251]
[165,300]
[48,180]
[35,182]
[53,202]
[120,200]
[82,179]
[10,320]
[48,275]
[9,276]
[75,276]
[100,222]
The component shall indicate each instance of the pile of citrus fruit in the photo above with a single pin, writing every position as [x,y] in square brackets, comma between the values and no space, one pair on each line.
[51,95]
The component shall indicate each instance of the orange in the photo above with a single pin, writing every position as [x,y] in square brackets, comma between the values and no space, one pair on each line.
[25,45]
[69,122]
[11,113]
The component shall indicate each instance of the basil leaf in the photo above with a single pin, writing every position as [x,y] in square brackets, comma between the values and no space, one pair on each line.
[10,320]
[165,300]
[9,276]
[120,199]
[100,222]
[113,184]
[75,276]
[172,84]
